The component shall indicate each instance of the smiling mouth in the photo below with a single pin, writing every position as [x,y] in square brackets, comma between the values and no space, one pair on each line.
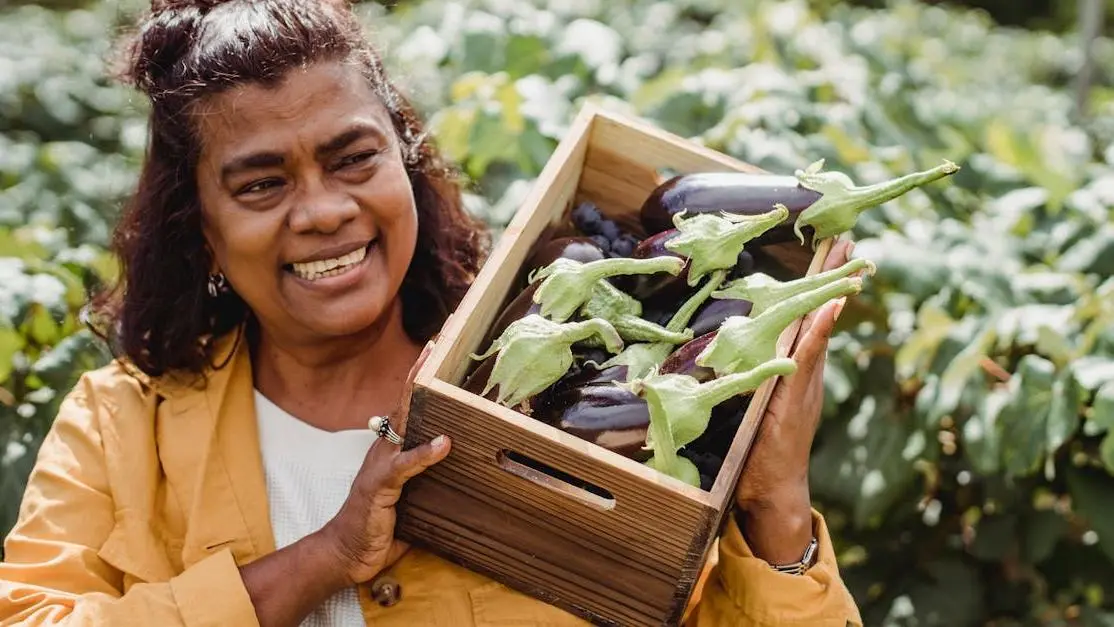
[325,268]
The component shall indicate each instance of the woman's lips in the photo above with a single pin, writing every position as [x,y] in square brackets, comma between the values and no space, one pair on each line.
[336,273]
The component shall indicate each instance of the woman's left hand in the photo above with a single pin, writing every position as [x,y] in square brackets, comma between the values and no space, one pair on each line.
[774,506]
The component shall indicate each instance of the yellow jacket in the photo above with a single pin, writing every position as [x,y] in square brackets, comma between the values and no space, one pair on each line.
[147,495]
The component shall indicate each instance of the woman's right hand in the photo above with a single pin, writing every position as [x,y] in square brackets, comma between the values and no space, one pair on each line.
[362,532]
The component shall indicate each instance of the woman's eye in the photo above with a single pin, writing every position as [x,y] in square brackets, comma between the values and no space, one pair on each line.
[357,158]
[259,186]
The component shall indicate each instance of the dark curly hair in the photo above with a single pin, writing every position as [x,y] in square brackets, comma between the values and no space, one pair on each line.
[161,316]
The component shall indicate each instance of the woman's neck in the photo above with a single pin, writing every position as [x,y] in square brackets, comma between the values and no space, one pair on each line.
[339,384]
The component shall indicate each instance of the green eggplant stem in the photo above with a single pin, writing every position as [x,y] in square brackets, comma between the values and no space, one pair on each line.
[729,386]
[744,343]
[764,291]
[635,329]
[842,201]
[681,319]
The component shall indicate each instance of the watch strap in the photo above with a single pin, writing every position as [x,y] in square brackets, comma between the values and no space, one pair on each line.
[806,562]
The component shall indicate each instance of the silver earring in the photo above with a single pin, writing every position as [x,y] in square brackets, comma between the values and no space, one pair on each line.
[217,284]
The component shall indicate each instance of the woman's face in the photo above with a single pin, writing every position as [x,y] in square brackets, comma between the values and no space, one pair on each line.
[306,202]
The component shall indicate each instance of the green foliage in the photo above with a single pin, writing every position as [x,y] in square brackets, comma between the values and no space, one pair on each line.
[966,463]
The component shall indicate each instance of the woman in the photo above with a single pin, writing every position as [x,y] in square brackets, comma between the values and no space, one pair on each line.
[293,244]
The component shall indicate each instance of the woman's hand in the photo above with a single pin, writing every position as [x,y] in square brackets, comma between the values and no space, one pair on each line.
[362,532]
[773,496]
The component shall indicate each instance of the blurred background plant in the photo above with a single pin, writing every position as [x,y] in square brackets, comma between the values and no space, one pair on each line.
[964,464]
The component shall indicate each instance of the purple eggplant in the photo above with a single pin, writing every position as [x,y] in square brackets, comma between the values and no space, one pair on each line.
[683,360]
[820,204]
[731,192]
[522,306]
[712,314]
[605,415]
[660,287]
[580,249]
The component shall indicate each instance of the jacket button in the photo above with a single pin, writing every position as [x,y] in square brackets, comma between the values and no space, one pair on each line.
[386,591]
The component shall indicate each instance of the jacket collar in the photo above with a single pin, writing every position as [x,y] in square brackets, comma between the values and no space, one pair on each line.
[210,442]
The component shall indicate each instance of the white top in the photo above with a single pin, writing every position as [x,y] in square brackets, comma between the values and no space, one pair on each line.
[309,473]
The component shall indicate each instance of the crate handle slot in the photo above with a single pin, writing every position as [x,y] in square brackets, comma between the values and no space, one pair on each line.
[551,478]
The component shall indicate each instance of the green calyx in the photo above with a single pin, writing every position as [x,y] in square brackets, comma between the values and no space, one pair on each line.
[534,353]
[624,313]
[713,242]
[764,291]
[681,407]
[640,359]
[743,343]
[568,284]
[842,201]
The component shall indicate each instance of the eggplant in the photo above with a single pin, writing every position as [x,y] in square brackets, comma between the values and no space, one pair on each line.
[731,192]
[659,287]
[580,249]
[523,305]
[713,313]
[605,415]
[683,360]
[820,204]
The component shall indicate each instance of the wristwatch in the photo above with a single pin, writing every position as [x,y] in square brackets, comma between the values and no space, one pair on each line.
[801,567]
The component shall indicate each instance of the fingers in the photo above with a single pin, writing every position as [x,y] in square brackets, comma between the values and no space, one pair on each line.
[838,255]
[408,464]
[813,346]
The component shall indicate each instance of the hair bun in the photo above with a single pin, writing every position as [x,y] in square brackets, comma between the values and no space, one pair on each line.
[158,6]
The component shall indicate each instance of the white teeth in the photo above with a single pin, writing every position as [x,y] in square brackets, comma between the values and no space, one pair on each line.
[313,270]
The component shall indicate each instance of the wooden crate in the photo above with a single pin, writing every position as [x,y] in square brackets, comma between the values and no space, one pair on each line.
[629,550]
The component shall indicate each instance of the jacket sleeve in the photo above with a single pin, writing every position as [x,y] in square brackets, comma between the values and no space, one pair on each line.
[54,572]
[742,590]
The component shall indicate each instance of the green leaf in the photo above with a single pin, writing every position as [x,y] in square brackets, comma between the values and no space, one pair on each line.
[1095,254]
[982,437]
[915,353]
[1063,416]
[1093,371]
[1023,423]
[994,537]
[42,328]
[1102,417]
[11,342]
[1043,530]
[1093,496]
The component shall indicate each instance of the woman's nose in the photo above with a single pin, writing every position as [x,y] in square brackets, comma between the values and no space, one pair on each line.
[322,208]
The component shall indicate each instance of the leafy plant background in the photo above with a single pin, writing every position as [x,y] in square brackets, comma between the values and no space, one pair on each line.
[964,464]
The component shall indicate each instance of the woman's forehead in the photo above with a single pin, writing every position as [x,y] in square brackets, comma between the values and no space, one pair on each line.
[308,104]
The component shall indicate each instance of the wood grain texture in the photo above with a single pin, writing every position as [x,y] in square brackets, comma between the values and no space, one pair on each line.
[631,561]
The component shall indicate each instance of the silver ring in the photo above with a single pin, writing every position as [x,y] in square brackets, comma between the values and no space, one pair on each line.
[381,426]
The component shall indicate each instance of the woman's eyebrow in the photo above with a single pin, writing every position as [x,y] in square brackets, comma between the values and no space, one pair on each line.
[353,134]
[250,162]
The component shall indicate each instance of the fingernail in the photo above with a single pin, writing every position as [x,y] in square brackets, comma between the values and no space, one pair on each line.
[439,442]
[839,307]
